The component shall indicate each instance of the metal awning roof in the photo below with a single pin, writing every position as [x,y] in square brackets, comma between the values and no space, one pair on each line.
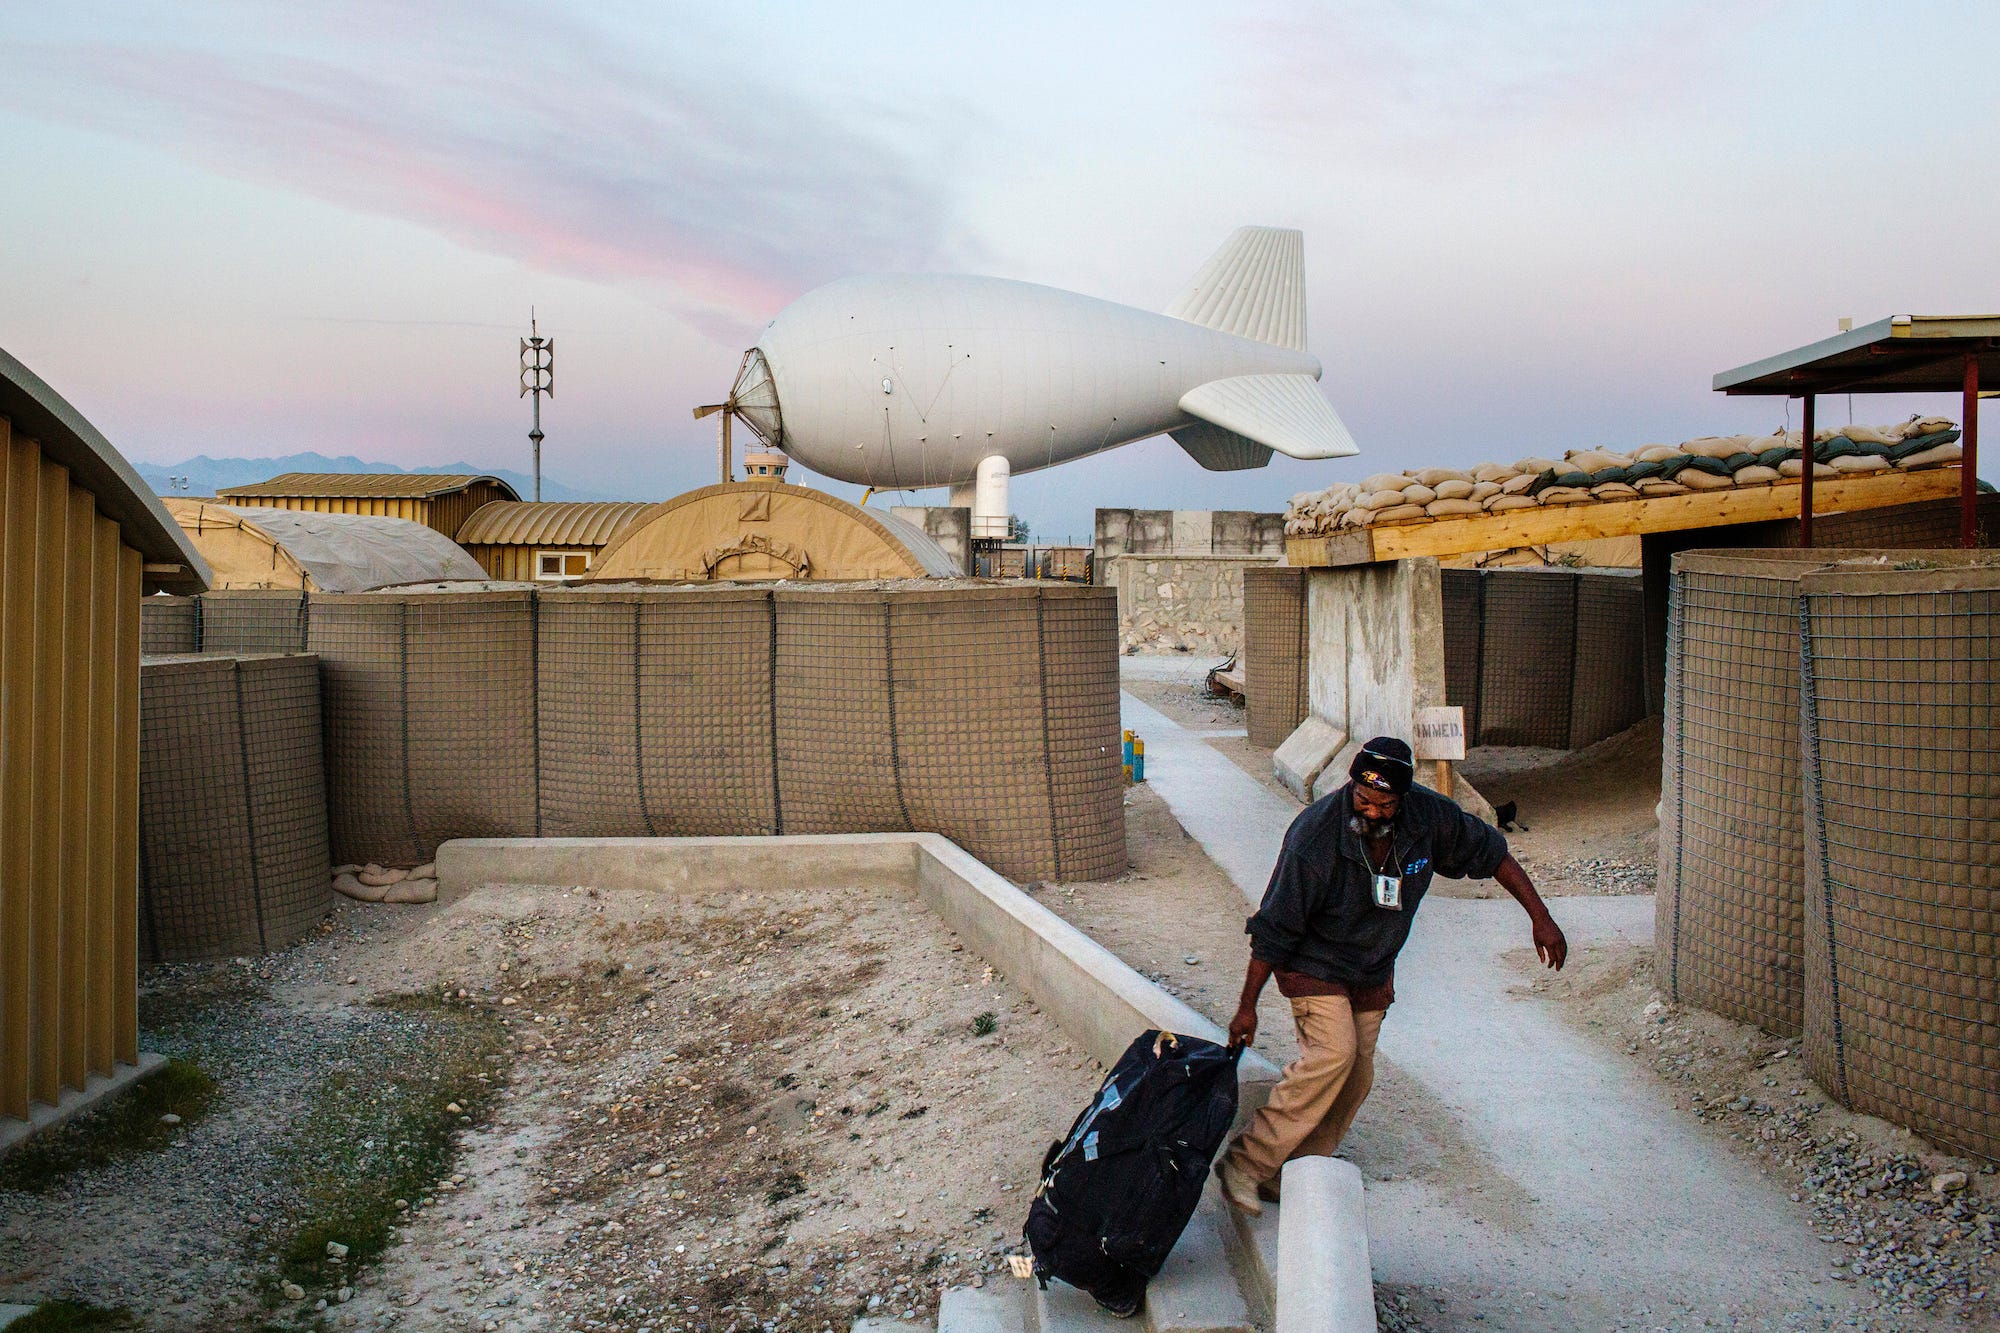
[1901,354]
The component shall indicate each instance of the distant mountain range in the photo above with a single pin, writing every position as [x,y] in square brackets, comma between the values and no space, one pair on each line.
[204,475]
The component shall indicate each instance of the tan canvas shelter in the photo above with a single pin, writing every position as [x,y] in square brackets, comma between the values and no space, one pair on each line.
[81,536]
[769,530]
[314,552]
[545,540]
[435,499]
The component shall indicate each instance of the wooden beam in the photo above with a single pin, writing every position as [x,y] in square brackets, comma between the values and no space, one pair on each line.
[1619,518]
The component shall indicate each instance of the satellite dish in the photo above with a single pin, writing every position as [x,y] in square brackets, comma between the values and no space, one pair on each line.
[753,397]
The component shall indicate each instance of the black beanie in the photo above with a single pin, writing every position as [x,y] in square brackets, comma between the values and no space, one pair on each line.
[1384,764]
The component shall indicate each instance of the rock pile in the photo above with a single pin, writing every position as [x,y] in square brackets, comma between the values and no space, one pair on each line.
[1592,476]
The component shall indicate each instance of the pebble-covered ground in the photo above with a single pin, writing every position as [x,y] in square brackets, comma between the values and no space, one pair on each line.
[770,1110]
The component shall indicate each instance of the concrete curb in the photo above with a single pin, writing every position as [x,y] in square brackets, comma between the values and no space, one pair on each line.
[1100,1001]
[1324,1284]
[1304,755]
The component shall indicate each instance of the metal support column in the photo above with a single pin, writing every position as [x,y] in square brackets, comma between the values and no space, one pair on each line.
[1968,464]
[1808,462]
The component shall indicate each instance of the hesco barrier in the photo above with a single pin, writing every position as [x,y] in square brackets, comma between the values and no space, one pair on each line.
[1901,701]
[232,806]
[430,719]
[1274,652]
[1544,657]
[1731,900]
[253,622]
[169,625]
[987,714]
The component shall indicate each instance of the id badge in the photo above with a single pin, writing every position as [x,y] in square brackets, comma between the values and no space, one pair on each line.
[1389,892]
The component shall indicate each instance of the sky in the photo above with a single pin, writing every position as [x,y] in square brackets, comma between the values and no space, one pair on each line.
[255,229]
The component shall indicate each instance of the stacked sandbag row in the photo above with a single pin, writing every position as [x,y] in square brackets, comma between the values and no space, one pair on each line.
[1901,701]
[1275,656]
[232,806]
[1591,476]
[989,715]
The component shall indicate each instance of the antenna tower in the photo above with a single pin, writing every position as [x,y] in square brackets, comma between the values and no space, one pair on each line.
[538,377]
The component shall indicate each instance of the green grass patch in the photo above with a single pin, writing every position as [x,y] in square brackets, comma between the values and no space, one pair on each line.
[69,1316]
[128,1123]
[390,1134]
[986,1024]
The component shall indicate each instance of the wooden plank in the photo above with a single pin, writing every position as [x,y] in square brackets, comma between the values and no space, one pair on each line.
[1624,518]
[19,500]
[1351,547]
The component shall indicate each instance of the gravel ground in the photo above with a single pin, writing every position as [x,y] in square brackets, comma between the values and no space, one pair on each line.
[1910,1225]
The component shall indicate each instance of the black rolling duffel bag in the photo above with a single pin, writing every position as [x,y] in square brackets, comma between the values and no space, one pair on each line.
[1117,1192]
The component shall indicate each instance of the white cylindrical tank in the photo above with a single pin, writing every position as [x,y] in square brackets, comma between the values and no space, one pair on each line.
[990,514]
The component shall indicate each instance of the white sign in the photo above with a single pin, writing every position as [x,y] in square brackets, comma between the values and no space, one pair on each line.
[1440,733]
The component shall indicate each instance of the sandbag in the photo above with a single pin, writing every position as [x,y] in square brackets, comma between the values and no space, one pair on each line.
[1452,508]
[1755,475]
[1572,478]
[1658,453]
[1404,513]
[1501,504]
[1916,426]
[1615,490]
[1918,444]
[1417,494]
[1534,466]
[1865,434]
[1698,480]
[1776,454]
[1493,472]
[1795,468]
[1482,491]
[1518,484]
[1652,488]
[1595,460]
[1934,457]
[1431,476]
[1453,488]
[1736,462]
[1857,464]
[1715,446]
[1385,481]
[1564,495]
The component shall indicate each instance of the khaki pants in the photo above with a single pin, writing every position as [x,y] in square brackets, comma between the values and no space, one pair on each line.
[1312,1107]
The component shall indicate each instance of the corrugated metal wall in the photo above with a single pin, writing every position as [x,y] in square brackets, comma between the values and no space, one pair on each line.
[516,563]
[445,513]
[69,747]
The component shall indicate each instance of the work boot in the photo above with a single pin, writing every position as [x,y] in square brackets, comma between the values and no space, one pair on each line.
[1238,1188]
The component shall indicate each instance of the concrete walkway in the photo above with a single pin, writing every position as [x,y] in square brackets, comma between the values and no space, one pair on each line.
[1572,1194]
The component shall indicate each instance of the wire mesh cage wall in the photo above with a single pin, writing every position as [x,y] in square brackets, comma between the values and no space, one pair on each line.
[430,719]
[1274,652]
[169,625]
[655,712]
[1729,923]
[1901,699]
[253,621]
[232,806]
[1544,657]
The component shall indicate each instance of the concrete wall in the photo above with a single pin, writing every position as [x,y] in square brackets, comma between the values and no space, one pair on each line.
[948,525]
[1375,645]
[1189,532]
[1179,603]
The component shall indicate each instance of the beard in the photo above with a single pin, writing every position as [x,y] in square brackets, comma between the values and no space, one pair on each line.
[1362,826]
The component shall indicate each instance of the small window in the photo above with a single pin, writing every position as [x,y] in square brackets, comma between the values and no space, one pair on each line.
[555,566]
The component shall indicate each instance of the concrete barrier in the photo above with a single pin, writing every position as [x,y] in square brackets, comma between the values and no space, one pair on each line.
[1324,1284]
[1098,1000]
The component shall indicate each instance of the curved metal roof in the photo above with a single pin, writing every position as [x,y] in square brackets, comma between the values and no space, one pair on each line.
[549,522]
[372,485]
[39,413]
[357,552]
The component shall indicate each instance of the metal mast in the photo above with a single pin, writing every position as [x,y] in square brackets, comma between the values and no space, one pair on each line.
[538,377]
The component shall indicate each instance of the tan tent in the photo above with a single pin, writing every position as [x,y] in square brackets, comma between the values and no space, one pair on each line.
[769,530]
[290,548]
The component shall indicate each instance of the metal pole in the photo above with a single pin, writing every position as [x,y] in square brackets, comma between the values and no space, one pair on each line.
[1808,461]
[535,437]
[1968,462]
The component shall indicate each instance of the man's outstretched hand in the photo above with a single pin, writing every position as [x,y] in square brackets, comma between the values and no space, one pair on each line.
[1550,945]
[1243,1027]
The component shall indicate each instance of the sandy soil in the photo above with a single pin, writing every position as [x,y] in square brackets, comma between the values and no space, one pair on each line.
[1926,1254]
[770,1107]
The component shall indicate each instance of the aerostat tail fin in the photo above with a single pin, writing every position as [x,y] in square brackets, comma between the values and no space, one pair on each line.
[1253,287]
[1287,413]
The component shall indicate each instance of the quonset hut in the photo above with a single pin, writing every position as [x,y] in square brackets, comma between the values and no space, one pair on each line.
[546,540]
[317,552]
[437,500]
[81,538]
